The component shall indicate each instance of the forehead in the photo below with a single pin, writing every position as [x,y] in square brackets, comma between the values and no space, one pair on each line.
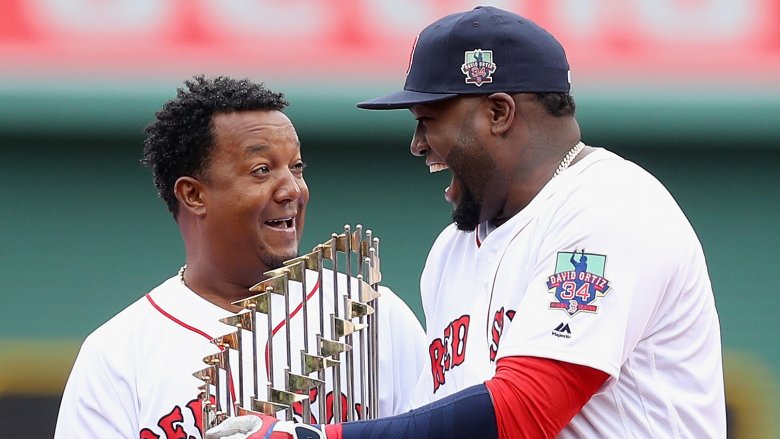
[258,128]
[457,103]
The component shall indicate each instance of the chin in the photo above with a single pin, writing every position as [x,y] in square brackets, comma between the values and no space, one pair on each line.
[466,214]
[273,261]
[466,227]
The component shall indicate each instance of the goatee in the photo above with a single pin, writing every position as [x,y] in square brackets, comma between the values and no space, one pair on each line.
[466,213]
[277,261]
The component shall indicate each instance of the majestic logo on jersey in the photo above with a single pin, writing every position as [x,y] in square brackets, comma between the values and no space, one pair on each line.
[497,330]
[576,290]
[478,67]
[449,351]
[562,330]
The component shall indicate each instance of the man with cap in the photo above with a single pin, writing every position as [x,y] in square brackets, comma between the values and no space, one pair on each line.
[542,320]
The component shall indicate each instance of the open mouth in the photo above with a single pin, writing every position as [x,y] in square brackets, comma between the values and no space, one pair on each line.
[451,192]
[437,167]
[281,223]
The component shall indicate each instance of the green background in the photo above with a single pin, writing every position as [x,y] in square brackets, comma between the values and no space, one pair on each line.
[83,234]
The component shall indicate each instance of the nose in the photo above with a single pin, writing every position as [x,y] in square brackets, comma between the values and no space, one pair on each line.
[419,146]
[290,187]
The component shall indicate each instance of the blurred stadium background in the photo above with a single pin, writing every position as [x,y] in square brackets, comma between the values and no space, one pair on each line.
[689,89]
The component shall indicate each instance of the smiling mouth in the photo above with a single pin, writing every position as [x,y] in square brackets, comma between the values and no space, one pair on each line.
[437,167]
[281,223]
[451,192]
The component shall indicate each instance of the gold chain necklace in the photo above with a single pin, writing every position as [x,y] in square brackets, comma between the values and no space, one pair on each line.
[181,274]
[568,158]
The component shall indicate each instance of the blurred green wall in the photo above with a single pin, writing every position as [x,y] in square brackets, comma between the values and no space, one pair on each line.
[82,233]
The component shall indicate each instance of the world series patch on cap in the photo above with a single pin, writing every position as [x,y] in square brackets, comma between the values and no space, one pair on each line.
[485,50]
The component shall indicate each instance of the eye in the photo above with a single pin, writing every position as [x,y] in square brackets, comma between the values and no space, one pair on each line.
[263,169]
[299,166]
[423,121]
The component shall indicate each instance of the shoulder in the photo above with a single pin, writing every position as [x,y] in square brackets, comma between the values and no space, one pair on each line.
[392,301]
[450,243]
[108,354]
[607,176]
[128,324]
[616,196]
[121,325]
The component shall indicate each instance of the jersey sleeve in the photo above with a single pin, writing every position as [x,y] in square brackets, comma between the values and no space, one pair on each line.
[94,403]
[404,359]
[528,398]
[610,255]
[537,397]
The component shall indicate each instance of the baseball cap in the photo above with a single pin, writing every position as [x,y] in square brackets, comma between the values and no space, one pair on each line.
[485,50]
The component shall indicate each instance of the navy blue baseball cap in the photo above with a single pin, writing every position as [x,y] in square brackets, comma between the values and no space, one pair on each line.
[485,50]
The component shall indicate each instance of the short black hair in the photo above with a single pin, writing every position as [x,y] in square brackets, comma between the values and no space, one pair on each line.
[180,140]
[557,104]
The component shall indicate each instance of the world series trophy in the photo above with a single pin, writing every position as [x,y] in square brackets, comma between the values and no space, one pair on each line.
[335,348]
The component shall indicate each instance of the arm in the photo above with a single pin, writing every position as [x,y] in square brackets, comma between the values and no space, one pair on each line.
[91,403]
[537,397]
[527,398]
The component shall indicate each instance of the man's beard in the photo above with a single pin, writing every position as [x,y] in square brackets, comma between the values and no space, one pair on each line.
[471,165]
[466,213]
[273,261]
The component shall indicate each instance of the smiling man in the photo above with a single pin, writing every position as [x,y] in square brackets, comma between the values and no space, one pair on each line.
[566,331]
[227,162]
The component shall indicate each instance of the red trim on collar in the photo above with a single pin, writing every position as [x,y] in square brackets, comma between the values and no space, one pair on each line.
[209,337]
[195,330]
[476,236]
[175,320]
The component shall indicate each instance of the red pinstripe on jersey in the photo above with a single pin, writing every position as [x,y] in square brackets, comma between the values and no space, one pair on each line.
[195,330]
[209,337]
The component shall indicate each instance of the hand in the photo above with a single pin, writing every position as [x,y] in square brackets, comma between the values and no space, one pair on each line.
[241,427]
[259,427]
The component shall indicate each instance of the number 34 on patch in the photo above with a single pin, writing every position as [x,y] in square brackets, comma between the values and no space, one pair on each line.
[578,281]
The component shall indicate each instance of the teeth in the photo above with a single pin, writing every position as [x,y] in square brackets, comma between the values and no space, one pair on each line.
[284,222]
[437,167]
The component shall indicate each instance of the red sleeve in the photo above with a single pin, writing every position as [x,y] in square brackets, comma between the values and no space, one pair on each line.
[537,397]
[334,431]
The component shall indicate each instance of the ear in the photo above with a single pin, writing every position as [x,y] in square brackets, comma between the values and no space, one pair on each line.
[502,109]
[189,192]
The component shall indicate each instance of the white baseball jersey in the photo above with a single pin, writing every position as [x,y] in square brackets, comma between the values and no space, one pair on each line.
[133,376]
[601,269]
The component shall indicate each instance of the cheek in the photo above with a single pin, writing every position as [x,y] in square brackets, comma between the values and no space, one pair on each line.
[441,140]
[304,188]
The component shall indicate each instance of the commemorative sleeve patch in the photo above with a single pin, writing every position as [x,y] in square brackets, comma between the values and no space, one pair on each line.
[578,281]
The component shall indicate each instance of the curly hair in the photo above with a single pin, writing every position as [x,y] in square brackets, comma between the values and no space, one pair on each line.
[557,104]
[180,140]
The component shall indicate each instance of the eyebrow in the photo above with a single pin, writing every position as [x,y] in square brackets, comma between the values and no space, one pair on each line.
[256,149]
[261,148]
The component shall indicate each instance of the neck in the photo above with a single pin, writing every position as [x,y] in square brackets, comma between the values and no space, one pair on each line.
[537,168]
[217,287]
[532,155]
